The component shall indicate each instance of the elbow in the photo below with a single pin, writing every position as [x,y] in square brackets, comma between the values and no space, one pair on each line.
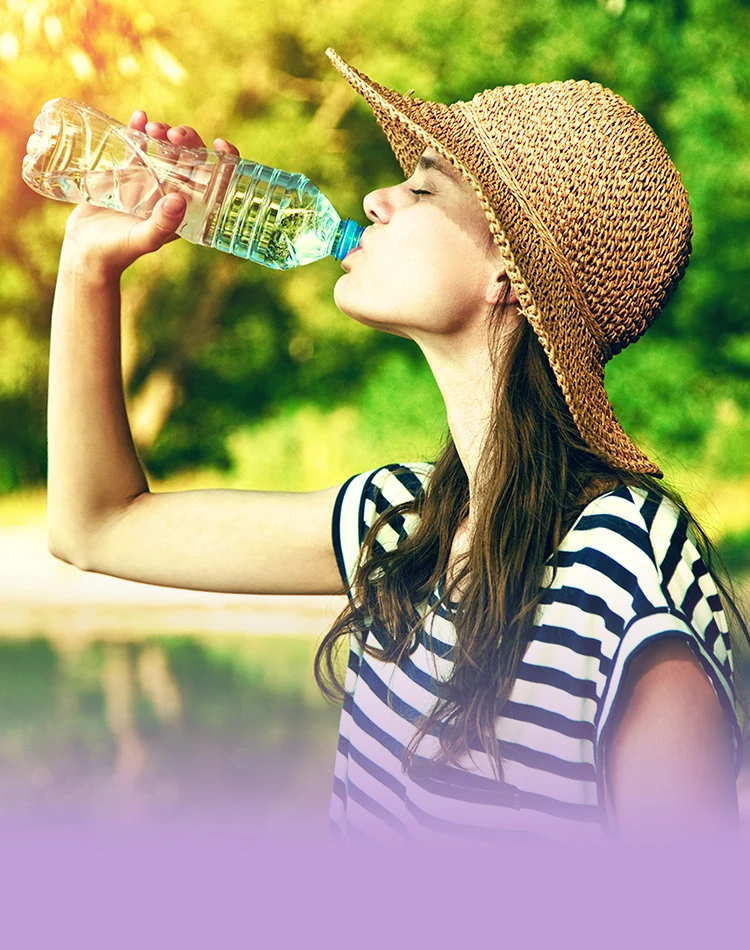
[69,548]
[83,542]
[58,550]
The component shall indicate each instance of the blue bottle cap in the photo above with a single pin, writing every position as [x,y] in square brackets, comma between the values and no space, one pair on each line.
[348,237]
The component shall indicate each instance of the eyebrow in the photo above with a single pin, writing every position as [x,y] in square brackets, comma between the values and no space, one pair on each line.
[426,163]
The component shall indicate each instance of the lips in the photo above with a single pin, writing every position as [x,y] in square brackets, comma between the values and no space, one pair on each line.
[348,257]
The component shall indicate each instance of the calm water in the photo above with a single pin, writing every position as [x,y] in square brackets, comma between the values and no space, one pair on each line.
[221,727]
[163,725]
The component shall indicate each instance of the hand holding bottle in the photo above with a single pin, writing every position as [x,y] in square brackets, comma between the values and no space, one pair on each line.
[110,241]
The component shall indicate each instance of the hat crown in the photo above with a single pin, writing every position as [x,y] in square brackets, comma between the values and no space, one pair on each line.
[595,173]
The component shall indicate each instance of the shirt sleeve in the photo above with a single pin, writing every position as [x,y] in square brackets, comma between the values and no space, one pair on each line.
[667,592]
[362,499]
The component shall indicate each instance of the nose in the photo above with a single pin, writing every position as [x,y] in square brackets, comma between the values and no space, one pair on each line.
[378,205]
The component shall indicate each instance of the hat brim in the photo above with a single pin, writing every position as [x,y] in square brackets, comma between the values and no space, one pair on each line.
[537,274]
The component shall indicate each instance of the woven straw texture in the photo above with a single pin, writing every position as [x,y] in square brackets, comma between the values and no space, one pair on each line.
[586,207]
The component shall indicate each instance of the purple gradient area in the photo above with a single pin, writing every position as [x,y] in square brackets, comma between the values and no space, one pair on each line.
[206,827]
[202,880]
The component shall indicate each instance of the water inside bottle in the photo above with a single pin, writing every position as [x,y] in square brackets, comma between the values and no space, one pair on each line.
[275,218]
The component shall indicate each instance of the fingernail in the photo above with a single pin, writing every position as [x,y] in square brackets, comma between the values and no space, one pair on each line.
[174,205]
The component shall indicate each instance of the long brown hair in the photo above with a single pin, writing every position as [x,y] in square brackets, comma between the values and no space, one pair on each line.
[537,475]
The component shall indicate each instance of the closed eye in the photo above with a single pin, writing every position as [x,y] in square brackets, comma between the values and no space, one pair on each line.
[419,191]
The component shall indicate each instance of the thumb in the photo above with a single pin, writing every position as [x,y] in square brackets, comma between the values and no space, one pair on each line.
[168,214]
[160,227]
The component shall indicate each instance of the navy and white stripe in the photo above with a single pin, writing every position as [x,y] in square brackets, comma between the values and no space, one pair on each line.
[627,573]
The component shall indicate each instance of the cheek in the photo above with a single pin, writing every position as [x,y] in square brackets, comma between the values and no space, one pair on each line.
[412,278]
[400,287]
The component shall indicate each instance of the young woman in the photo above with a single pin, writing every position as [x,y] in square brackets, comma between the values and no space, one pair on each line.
[537,645]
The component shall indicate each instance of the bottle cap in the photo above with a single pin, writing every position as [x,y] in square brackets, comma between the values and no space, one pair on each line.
[347,238]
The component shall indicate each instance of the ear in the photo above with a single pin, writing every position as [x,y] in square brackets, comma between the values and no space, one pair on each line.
[497,289]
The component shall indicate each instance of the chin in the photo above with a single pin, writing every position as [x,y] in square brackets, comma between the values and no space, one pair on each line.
[373,323]
[350,304]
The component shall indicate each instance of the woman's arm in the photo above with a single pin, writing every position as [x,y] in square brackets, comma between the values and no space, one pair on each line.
[102,516]
[670,762]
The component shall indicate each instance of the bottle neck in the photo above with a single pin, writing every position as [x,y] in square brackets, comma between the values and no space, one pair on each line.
[348,236]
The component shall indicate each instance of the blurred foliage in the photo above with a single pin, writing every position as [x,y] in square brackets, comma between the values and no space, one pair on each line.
[735,552]
[213,345]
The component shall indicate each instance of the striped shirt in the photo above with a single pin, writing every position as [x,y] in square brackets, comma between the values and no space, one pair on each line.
[628,573]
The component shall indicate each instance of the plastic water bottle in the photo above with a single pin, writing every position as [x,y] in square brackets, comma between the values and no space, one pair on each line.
[262,214]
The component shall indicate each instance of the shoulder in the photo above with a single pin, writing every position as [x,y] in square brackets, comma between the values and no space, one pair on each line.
[630,556]
[650,537]
[397,483]
[374,492]
[627,506]
[363,498]
[639,525]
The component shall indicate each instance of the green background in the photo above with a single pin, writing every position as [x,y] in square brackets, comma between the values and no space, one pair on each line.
[215,346]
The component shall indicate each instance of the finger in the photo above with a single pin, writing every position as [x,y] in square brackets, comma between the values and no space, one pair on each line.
[186,137]
[157,130]
[138,120]
[221,145]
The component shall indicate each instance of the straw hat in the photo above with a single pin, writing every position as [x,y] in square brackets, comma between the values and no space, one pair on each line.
[586,208]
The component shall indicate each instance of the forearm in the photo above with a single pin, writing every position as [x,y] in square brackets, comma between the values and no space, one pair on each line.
[93,469]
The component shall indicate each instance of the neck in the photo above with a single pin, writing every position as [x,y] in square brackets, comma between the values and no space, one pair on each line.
[465,372]
[465,376]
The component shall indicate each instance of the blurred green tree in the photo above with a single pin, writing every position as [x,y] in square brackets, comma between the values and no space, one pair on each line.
[212,344]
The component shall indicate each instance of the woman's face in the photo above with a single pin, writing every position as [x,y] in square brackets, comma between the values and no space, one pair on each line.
[427,264]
